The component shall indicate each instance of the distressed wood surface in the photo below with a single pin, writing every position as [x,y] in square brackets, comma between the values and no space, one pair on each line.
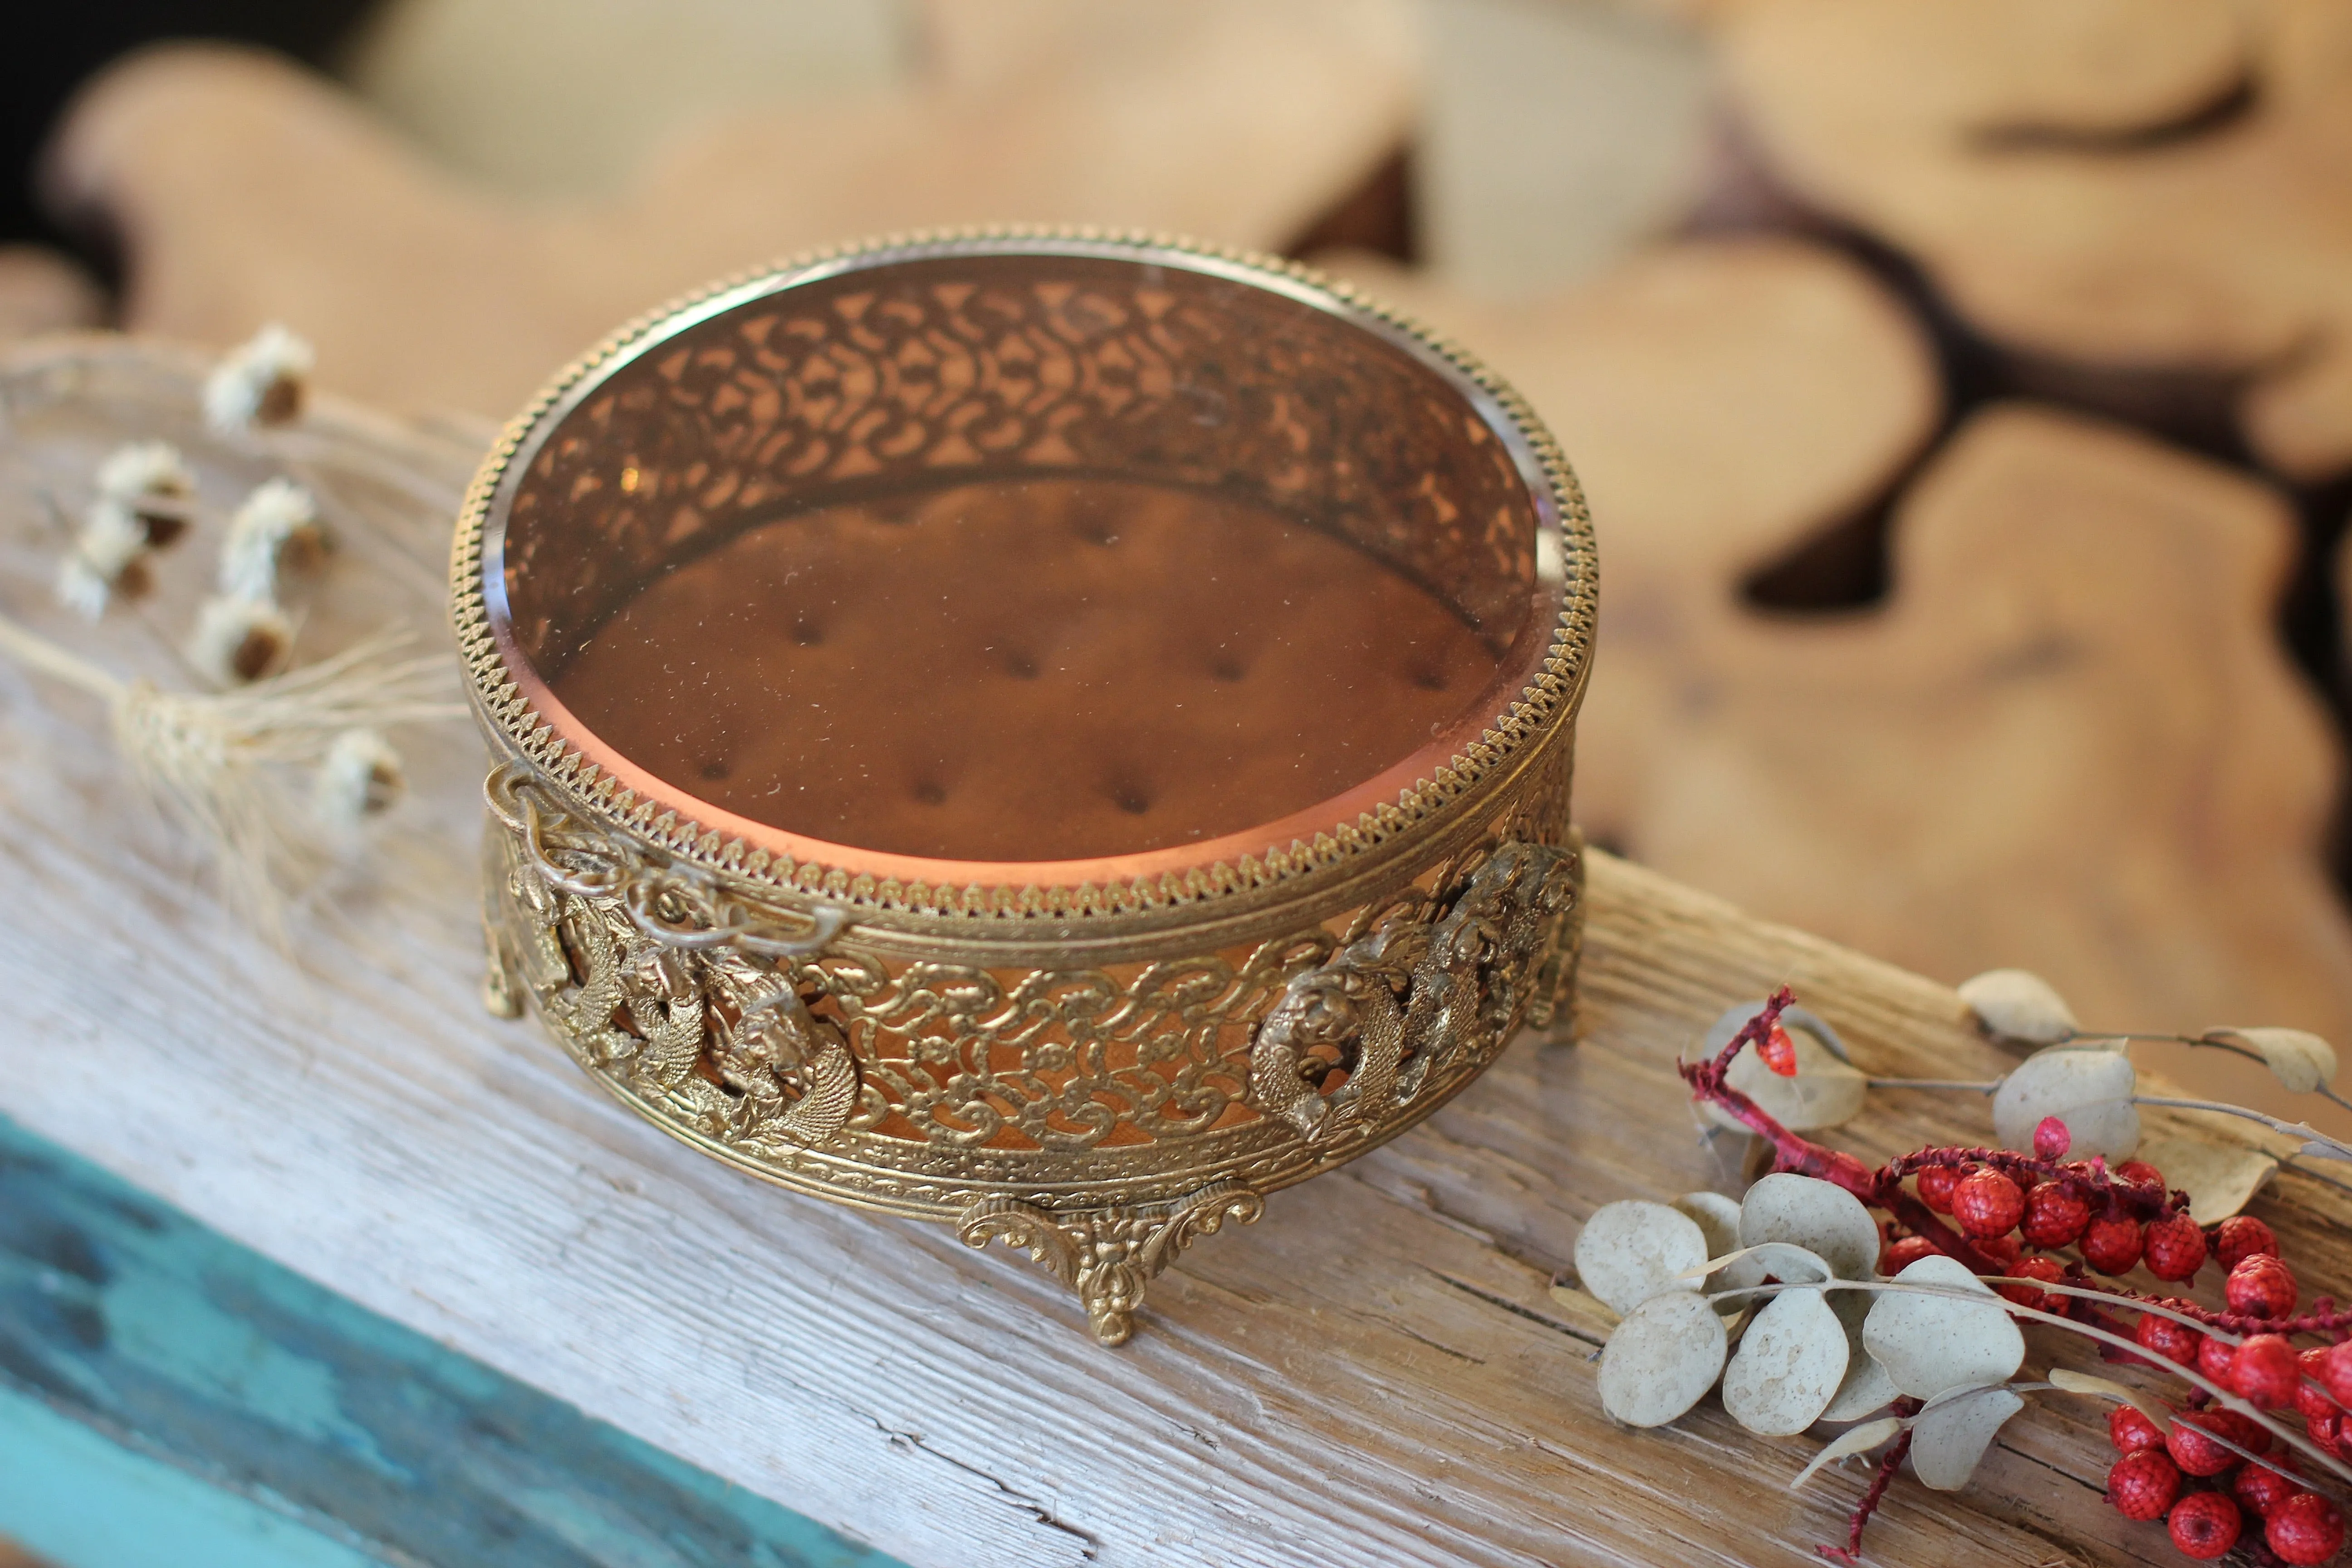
[1374,1372]
[168,1397]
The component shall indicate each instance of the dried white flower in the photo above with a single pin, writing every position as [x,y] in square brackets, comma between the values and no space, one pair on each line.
[277,523]
[142,469]
[110,539]
[2018,1004]
[359,777]
[149,480]
[108,557]
[2088,1087]
[80,589]
[239,640]
[259,382]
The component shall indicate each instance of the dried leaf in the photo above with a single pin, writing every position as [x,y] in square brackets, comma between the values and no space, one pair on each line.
[1820,1216]
[1782,1260]
[1931,1343]
[2106,1388]
[1789,1363]
[1948,1438]
[1631,1250]
[2218,1174]
[1662,1360]
[2018,1004]
[1866,1389]
[2087,1086]
[1719,1217]
[2300,1060]
[1826,1091]
[1860,1440]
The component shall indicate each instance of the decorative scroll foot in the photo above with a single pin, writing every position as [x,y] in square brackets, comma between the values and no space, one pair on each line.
[1109,1256]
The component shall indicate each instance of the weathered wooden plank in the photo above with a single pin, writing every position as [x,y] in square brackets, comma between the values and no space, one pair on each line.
[1374,1372]
[180,1399]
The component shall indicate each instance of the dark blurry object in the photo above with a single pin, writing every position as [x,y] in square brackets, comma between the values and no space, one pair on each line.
[245,191]
[42,290]
[2147,204]
[51,55]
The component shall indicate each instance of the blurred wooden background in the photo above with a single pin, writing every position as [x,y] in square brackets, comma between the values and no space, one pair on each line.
[1964,389]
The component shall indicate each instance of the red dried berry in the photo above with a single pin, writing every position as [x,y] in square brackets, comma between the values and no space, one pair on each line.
[2241,1237]
[2204,1524]
[1901,1255]
[2174,1248]
[2337,1373]
[2262,1287]
[2112,1243]
[2055,1215]
[2051,1137]
[2310,1396]
[2004,1250]
[2027,1295]
[2130,1431]
[2167,1337]
[2190,1441]
[2305,1529]
[2326,1431]
[1936,1185]
[2261,1490]
[1988,1203]
[2142,1173]
[2265,1371]
[1778,1051]
[2213,1359]
[2143,1484]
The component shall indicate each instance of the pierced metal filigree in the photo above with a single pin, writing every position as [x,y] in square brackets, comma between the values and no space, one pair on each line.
[1353,1040]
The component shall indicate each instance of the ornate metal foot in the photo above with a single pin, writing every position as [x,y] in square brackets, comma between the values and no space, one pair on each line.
[1109,1256]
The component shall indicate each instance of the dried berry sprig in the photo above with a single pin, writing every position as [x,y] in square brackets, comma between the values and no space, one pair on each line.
[2238,1363]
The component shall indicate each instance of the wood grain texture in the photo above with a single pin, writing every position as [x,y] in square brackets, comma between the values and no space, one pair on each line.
[245,191]
[2125,188]
[1374,1372]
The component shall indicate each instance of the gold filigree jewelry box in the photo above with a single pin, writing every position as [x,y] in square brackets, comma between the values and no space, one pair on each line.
[1056,732]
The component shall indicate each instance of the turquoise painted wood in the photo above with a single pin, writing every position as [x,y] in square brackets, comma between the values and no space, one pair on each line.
[168,1397]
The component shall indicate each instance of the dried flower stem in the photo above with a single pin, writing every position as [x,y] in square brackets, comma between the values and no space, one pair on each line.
[1888,1464]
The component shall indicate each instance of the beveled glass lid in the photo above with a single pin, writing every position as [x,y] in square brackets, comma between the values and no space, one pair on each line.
[1034,558]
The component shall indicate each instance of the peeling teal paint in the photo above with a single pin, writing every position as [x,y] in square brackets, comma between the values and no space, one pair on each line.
[168,1397]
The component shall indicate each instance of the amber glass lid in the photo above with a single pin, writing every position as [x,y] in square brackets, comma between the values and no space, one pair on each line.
[1051,557]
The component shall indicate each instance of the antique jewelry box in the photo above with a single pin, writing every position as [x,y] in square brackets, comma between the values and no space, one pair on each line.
[1060,733]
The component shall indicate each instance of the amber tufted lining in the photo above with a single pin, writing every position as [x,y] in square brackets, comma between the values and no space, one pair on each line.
[1025,670]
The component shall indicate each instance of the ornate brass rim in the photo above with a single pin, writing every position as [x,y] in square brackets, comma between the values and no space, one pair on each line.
[532,725]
